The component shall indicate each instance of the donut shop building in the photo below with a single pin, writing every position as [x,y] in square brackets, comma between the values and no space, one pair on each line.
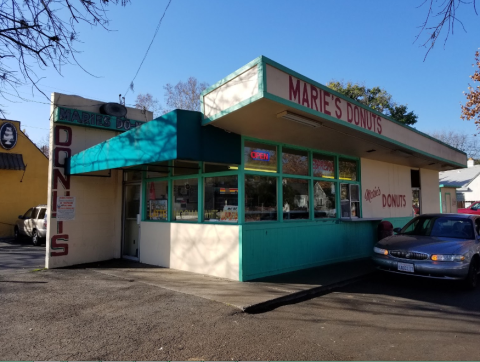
[276,173]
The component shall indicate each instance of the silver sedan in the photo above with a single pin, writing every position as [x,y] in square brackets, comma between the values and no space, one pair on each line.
[443,246]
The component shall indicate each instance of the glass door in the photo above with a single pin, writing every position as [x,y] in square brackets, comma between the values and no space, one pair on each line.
[131,221]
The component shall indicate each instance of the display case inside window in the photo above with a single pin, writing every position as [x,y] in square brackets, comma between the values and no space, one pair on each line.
[185,200]
[350,200]
[260,157]
[158,170]
[295,198]
[260,198]
[324,199]
[181,168]
[221,199]
[323,166]
[347,169]
[294,162]
[157,200]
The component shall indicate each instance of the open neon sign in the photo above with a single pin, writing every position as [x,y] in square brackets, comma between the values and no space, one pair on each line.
[260,156]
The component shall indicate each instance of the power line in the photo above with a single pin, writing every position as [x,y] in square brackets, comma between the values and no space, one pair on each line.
[148,49]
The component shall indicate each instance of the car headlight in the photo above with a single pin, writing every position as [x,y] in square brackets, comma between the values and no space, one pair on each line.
[447,257]
[380,251]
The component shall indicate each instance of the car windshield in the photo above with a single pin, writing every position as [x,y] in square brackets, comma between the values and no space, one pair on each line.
[440,226]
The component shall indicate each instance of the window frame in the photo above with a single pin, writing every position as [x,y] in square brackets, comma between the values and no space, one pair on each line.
[241,172]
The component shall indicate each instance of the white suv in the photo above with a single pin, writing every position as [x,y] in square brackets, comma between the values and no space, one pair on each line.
[32,224]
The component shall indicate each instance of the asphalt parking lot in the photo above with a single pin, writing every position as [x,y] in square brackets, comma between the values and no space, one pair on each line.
[81,314]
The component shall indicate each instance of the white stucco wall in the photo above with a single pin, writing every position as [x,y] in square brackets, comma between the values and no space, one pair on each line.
[95,233]
[474,192]
[380,182]
[232,92]
[200,248]
[429,191]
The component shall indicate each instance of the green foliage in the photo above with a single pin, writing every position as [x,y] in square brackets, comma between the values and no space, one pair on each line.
[376,98]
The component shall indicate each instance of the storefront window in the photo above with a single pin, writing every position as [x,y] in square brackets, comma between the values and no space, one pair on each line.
[295,199]
[260,157]
[185,168]
[323,166]
[348,170]
[185,200]
[132,175]
[260,198]
[295,162]
[158,170]
[157,200]
[350,200]
[324,199]
[221,199]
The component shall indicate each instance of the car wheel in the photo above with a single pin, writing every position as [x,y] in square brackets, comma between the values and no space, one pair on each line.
[472,278]
[35,238]
[16,234]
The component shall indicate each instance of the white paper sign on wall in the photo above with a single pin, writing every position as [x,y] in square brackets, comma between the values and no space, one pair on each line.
[65,208]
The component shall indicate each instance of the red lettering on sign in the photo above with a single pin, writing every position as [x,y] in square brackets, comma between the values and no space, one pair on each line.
[294,90]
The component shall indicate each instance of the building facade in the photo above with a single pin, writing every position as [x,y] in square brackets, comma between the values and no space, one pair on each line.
[23,175]
[277,173]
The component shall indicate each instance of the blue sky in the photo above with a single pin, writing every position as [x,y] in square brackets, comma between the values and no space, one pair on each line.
[361,41]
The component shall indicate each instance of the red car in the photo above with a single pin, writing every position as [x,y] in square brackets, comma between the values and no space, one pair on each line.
[472,209]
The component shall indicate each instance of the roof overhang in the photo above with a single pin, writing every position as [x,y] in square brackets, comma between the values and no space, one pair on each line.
[253,101]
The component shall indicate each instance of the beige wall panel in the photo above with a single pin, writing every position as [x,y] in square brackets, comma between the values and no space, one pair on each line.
[199,248]
[279,84]
[429,191]
[155,239]
[386,189]
[232,92]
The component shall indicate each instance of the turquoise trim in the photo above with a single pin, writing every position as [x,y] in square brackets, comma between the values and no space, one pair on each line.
[358,129]
[81,118]
[441,201]
[331,91]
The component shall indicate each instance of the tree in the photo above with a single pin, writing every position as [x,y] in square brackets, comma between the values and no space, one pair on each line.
[147,102]
[44,145]
[442,14]
[376,98]
[459,140]
[184,95]
[471,109]
[42,33]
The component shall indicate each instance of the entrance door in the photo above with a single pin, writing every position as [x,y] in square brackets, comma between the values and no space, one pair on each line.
[131,221]
[448,203]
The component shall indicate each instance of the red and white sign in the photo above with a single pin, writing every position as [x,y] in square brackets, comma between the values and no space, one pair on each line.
[65,208]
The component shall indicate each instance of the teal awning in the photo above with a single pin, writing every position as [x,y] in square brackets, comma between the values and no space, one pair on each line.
[176,135]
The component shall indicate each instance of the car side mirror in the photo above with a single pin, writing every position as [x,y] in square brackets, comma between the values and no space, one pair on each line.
[397,230]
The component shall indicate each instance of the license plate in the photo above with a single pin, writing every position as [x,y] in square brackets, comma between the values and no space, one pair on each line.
[406,267]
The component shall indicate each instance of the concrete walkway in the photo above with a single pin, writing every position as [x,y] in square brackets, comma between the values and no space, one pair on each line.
[252,297]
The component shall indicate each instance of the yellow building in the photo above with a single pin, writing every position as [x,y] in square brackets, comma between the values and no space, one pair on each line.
[23,175]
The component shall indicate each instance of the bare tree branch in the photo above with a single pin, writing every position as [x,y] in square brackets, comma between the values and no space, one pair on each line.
[37,33]
[441,14]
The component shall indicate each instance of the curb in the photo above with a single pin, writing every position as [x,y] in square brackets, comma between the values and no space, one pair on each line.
[302,296]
